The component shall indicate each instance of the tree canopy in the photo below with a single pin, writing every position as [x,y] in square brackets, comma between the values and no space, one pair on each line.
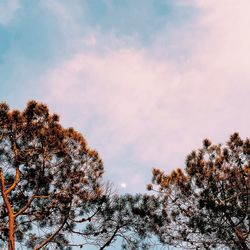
[49,178]
[207,205]
[52,192]
[131,218]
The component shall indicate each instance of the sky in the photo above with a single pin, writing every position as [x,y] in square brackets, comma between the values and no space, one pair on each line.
[145,81]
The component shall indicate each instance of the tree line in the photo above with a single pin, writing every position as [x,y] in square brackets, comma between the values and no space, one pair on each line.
[53,195]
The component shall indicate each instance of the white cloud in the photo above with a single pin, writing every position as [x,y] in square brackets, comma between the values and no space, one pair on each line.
[68,14]
[8,9]
[151,110]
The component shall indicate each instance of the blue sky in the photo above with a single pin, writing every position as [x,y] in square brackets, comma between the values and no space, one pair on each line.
[144,80]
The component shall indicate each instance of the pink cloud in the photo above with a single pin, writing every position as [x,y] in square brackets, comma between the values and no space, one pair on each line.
[154,111]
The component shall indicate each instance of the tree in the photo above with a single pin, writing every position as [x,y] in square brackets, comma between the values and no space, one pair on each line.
[50,180]
[207,205]
[128,217]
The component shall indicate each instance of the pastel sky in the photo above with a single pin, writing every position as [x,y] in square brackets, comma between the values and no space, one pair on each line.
[144,80]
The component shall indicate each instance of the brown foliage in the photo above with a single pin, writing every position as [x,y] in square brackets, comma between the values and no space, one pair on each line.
[208,204]
[49,177]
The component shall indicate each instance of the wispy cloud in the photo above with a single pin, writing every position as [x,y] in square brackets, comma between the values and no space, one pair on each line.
[7,10]
[150,106]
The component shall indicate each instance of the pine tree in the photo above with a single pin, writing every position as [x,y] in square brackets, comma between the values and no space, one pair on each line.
[130,218]
[50,180]
[207,205]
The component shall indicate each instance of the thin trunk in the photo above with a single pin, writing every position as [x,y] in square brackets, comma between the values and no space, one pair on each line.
[11,240]
[11,243]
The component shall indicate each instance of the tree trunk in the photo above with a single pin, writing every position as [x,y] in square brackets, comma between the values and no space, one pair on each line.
[11,216]
[11,243]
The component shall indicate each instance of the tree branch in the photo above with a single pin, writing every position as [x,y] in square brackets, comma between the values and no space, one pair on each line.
[50,238]
[27,204]
[110,239]
[15,182]
[4,194]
